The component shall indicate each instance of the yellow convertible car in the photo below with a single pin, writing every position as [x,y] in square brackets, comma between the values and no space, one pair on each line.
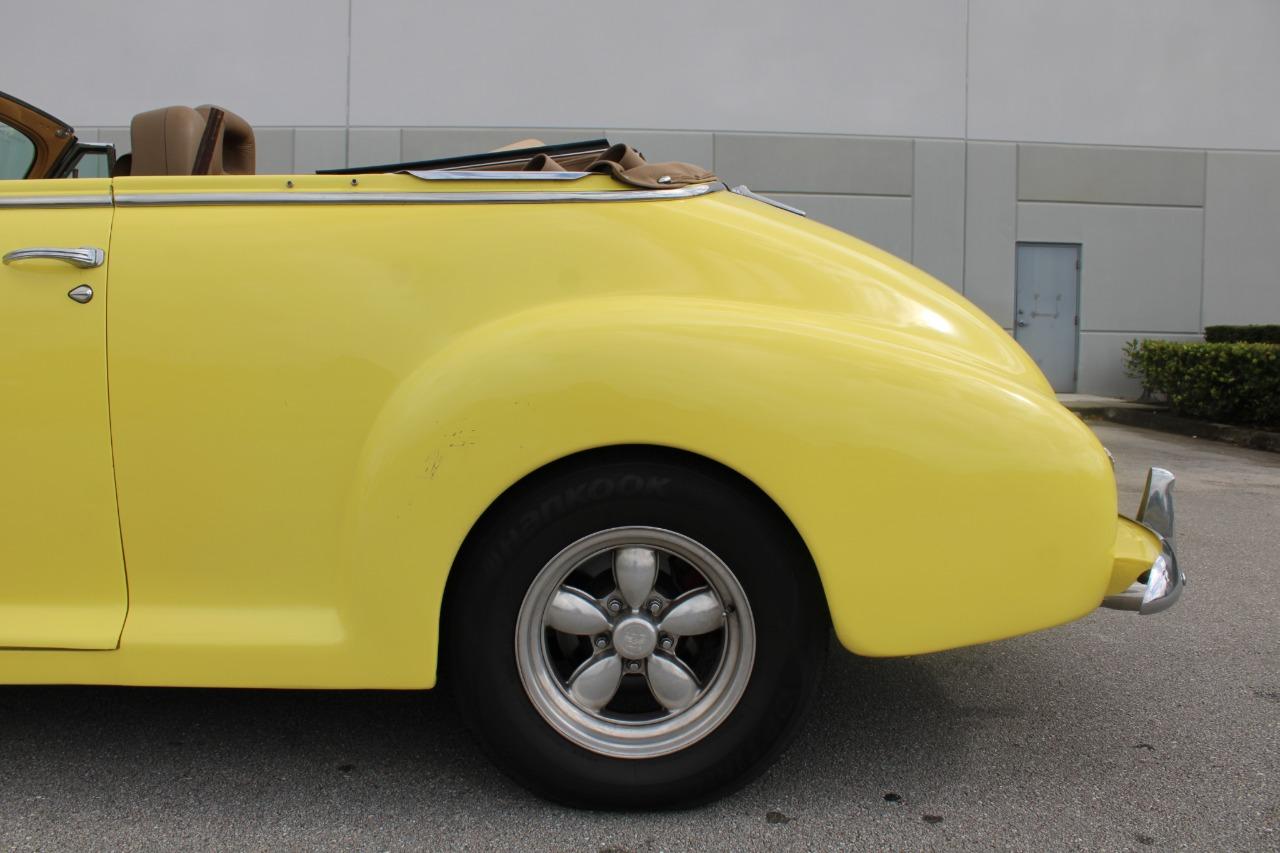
[603,445]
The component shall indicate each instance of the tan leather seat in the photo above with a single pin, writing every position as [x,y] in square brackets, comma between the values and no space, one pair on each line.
[207,140]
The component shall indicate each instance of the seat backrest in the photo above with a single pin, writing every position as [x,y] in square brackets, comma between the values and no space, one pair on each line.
[165,141]
[207,140]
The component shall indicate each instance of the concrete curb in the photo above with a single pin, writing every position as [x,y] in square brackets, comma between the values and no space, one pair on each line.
[1158,419]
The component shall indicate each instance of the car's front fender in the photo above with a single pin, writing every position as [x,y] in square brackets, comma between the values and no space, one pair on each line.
[943,505]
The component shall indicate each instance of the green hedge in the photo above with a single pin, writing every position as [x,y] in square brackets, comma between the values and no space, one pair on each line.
[1236,383]
[1242,334]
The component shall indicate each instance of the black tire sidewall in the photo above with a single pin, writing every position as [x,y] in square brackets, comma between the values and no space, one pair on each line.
[525,533]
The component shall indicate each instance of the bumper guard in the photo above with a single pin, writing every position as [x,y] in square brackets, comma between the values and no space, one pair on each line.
[1159,587]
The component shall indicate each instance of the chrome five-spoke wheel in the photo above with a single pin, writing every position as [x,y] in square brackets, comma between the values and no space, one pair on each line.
[634,629]
[635,642]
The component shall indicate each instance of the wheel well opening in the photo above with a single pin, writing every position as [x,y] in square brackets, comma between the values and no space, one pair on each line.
[630,453]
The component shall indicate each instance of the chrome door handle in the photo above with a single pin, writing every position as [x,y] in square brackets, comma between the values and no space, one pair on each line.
[84,257]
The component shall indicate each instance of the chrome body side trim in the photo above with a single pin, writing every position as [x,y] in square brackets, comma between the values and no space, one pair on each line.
[494,175]
[102,200]
[1165,579]
[480,197]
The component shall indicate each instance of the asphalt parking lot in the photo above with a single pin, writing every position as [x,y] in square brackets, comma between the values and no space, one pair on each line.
[1115,732]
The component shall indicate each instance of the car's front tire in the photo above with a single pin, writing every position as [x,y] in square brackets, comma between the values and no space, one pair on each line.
[634,633]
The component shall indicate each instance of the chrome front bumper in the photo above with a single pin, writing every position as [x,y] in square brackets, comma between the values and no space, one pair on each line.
[1164,580]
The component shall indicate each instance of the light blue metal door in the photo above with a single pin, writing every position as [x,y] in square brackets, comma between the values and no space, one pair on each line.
[1048,309]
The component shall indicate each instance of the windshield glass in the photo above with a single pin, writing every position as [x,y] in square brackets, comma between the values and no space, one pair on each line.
[17,153]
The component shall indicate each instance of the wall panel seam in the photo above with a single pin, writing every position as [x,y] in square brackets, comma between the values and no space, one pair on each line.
[1204,238]
[1137,332]
[1112,204]
[964,195]
[915,182]
[346,154]
[770,189]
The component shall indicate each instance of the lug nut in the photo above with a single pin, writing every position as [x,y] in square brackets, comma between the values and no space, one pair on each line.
[667,643]
[615,605]
[634,666]
[601,642]
[655,606]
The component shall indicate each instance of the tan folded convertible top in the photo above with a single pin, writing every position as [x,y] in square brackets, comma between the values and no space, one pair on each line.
[627,165]
[623,162]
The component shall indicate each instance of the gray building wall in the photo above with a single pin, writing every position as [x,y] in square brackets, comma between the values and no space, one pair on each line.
[942,130]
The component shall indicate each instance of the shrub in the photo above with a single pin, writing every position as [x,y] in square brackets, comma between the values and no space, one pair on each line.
[1230,383]
[1242,334]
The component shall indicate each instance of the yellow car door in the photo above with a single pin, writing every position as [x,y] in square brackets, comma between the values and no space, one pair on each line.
[62,581]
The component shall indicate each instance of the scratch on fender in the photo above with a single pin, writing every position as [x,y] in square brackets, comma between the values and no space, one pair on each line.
[433,464]
[461,438]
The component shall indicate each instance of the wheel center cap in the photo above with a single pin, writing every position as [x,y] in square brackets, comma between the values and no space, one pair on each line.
[635,637]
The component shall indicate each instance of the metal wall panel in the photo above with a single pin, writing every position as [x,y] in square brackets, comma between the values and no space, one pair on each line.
[373,146]
[990,227]
[937,208]
[880,220]
[319,148]
[274,150]
[1104,175]
[1242,239]
[815,164]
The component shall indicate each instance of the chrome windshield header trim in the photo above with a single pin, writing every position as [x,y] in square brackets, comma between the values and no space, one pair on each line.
[480,197]
[495,175]
[56,201]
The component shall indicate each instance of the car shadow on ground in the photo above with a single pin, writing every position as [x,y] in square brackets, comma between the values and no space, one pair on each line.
[158,748]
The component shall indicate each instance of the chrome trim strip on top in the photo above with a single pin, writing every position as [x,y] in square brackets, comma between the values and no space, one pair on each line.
[747,192]
[494,175]
[481,197]
[56,201]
